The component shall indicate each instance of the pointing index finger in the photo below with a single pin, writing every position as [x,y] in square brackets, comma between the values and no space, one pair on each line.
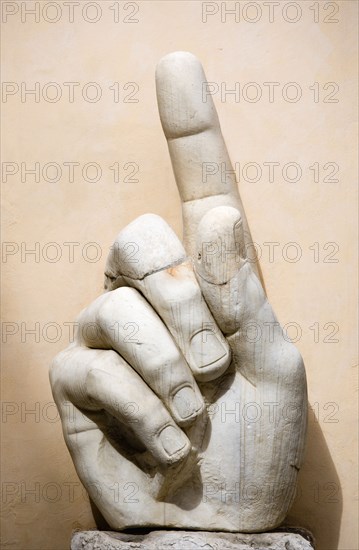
[191,125]
[200,161]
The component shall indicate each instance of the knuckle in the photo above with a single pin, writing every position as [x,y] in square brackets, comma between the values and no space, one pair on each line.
[112,304]
[93,381]
[103,314]
[56,369]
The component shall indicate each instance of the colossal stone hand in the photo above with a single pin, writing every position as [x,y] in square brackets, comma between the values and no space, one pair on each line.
[182,402]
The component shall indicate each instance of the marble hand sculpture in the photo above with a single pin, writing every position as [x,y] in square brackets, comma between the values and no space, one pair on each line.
[183,403]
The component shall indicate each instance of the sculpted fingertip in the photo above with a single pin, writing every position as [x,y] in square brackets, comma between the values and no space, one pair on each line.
[206,348]
[135,253]
[174,443]
[187,405]
[219,245]
[179,87]
[177,57]
[213,371]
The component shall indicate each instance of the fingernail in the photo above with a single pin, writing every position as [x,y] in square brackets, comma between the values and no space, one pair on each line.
[220,245]
[206,348]
[173,440]
[186,403]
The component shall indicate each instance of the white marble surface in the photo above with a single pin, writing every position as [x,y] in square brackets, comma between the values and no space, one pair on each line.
[183,404]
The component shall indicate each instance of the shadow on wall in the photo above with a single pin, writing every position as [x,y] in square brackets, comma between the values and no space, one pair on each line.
[319,504]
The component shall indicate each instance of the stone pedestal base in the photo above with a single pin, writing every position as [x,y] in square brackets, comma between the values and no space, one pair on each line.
[291,539]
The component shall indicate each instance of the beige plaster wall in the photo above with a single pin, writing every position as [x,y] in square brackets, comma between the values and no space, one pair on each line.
[42,497]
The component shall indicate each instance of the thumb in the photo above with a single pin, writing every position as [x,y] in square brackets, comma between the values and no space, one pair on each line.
[224,271]
[220,247]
